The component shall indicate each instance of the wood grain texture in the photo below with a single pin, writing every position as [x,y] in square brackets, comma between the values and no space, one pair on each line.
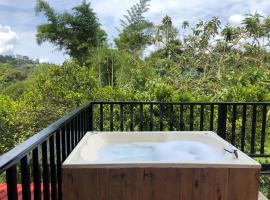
[243,184]
[152,183]
[161,183]
[204,184]
[79,184]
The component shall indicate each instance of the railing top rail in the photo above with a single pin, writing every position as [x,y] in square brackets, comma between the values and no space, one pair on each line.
[10,158]
[184,103]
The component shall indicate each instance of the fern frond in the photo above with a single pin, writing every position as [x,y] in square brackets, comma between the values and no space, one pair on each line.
[135,13]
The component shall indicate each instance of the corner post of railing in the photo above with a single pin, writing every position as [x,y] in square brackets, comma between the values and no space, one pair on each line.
[90,117]
[222,118]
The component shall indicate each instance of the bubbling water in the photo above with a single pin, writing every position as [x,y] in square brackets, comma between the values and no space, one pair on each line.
[175,151]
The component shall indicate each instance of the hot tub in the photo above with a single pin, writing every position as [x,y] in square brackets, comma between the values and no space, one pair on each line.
[158,165]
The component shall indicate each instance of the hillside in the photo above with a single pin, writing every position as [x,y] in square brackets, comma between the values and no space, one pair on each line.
[14,72]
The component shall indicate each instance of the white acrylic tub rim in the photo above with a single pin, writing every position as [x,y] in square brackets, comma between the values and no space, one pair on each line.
[75,160]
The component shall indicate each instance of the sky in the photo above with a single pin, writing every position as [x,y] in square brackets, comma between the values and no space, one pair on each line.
[18,21]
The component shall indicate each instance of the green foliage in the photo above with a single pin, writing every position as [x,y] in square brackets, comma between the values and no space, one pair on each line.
[50,93]
[106,62]
[77,33]
[8,136]
[9,75]
[253,25]
[16,73]
[16,89]
[135,14]
[137,31]
[22,62]
[120,69]
[135,37]
[58,89]
[166,32]
[264,185]
[166,35]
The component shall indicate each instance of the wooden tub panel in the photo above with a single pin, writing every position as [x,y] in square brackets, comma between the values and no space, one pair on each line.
[151,183]
[243,184]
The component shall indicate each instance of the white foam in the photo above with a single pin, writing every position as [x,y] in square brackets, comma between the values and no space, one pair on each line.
[167,151]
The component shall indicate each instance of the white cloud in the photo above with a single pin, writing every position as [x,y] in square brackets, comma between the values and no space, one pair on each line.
[8,40]
[44,60]
[151,48]
[27,46]
[236,19]
[19,14]
[110,11]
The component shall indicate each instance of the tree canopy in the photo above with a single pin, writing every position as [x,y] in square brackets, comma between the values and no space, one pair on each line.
[137,31]
[77,33]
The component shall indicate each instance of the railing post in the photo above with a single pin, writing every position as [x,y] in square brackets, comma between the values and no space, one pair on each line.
[222,116]
[11,175]
[151,116]
[90,118]
[25,174]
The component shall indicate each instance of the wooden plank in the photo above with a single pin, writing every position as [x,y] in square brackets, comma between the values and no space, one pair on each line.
[118,184]
[187,183]
[79,184]
[162,183]
[132,183]
[103,183]
[243,184]
[215,184]
[204,184]
[147,189]
[197,184]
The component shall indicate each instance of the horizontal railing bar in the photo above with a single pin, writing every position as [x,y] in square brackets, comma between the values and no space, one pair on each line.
[265,173]
[265,167]
[180,103]
[260,155]
[13,156]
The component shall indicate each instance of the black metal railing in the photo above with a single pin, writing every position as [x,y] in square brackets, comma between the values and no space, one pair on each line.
[37,162]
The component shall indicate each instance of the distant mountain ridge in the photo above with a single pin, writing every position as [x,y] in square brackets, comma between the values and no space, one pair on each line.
[14,70]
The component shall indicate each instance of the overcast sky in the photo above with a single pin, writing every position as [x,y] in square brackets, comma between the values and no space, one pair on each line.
[18,21]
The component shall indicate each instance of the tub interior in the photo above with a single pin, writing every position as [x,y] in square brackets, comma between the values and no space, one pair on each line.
[155,147]
[176,150]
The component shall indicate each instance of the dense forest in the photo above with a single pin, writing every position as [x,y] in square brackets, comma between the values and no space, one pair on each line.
[206,61]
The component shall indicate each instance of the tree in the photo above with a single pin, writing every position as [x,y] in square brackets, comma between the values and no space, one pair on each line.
[167,26]
[137,31]
[77,33]
[10,75]
[8,133]
[135,14]
[185,24]
[166,34]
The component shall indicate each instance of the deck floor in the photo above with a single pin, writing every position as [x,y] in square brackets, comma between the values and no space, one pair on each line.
[262,197]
